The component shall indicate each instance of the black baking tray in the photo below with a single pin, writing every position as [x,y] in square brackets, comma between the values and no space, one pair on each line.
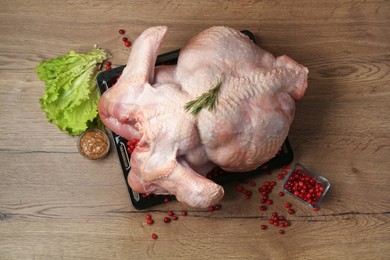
[107,79]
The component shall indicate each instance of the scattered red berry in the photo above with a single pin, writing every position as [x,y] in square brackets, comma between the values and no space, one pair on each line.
[127,43]
[211,208]
[281,193]
[281,231]
[291,211]
[287,205]
[131,144]
[184,213]
[315,209]
[252,183]
[124,39]
[170,213]
[121,31]
[263,208]
[239,188]
[166,200]
[148,217]
[263,227]
[167,219]
[174,218]
[149,221]
[154,236]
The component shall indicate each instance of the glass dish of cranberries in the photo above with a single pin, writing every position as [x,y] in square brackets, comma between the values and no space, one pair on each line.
[305,185]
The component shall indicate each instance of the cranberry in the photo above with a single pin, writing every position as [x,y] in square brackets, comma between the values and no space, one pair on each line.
[281,231]
[287,205]
[121,31]
[315,209]
[148,217]
[149,221]
[269,202]
[184,213]
[252,183]
[167,219]
[170,213]
[274,214]
[211,208]
[239,188]
[263,227]
[124,39]
[166,200]
[291,211]
[263,208]
[174,218]
[127,43]
[281,193]
[154,236]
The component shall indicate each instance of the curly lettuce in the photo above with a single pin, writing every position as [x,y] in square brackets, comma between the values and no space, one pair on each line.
[71,95]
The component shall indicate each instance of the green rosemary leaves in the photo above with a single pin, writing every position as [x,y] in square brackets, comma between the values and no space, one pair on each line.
[206,100]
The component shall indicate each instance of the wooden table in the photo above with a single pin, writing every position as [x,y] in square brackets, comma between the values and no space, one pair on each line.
[56,205]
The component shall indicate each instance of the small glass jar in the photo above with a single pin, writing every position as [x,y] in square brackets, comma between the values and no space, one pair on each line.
[93,144]
[305,185]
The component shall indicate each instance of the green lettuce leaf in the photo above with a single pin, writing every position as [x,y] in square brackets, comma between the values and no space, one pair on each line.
[71,95]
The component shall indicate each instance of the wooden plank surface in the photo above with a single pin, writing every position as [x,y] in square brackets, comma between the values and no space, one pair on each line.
[56,205]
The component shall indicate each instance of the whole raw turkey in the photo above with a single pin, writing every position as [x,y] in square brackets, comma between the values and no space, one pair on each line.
[251,118]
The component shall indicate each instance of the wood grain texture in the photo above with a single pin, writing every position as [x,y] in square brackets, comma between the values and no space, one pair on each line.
[56,205]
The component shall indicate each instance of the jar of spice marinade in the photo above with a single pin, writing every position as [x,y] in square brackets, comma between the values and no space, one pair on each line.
[93,144]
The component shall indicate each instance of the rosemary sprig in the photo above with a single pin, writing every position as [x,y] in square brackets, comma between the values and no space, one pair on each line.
[206,100]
